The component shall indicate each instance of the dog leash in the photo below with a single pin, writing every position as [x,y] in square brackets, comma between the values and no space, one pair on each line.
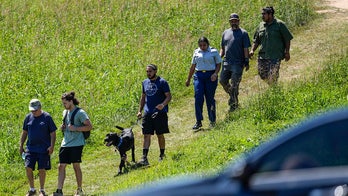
[154,113]
[139,123]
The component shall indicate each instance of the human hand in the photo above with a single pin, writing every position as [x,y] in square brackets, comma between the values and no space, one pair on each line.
[160,106]
[246,64]
[187,83]
[72,128]
[247,67]
[287,56]
[251,53]
[139,115]
[213,77]
[50,150]
[21,150]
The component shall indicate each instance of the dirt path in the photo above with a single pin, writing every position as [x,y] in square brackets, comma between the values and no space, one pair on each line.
[341,4]
[311,46]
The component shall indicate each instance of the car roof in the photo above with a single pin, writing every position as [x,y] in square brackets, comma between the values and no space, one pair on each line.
[313,121]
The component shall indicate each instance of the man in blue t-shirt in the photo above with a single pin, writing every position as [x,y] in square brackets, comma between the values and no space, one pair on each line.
[154,100]
[40,130]
[235,45]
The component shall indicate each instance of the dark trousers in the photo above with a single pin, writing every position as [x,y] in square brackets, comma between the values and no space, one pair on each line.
[205,88]
[230,79]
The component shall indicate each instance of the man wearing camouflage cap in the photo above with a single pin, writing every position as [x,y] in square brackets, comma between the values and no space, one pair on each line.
[40,130]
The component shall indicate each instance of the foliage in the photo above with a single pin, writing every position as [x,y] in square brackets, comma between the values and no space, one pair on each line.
[99,50]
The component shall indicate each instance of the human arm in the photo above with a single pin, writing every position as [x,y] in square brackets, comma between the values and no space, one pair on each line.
[192,70]
[87,126]
[141,105]
[222,52]
[287,51]
[215,74]
[165,102]
[253,48]
[53,141]
[24,136]
[246,59]
[256,43]
[286,37]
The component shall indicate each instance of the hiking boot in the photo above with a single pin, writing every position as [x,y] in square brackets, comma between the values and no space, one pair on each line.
[197,125]
[161,157]
[58,193]
[31,193]
[79,192]
[42,193]
[144,161]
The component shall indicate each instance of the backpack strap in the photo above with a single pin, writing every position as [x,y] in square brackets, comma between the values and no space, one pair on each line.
[72,116]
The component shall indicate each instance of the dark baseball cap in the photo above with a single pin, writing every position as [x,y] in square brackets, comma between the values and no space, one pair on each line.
[234,16]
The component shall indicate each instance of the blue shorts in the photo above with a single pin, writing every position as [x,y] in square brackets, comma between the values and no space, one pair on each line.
[70,155]
[159,124]
[43,160]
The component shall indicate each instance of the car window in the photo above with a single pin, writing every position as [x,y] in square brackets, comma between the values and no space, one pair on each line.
[322,146]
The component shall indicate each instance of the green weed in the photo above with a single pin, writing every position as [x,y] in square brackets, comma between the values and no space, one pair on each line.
[99,49]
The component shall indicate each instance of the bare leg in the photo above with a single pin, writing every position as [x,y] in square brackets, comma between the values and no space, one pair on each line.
[61,175]
[42,178]
[147,141]
[161,141]
[30,176]
[78,174]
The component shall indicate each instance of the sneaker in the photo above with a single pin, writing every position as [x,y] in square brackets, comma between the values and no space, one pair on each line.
[58,193]
[79,192]
[232,109]
[161,157]
[31,193]
[197,125]
[212,125]
[42,193]
[144,161]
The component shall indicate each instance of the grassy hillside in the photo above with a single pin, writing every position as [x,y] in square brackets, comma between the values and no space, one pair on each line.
[100,50]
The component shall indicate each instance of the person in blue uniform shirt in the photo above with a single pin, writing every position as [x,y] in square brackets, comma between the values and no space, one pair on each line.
[205,67]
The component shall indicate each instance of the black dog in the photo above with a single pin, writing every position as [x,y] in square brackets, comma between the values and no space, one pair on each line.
[123,143]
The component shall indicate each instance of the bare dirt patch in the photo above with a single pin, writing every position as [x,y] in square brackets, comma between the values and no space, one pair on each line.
[341,4]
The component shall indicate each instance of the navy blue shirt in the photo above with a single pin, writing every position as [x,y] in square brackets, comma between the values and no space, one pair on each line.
[39,132]
[234,42]
[155,94]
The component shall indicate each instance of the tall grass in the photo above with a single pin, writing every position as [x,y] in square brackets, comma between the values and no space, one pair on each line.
[100,49]
[328,88]
[245,129]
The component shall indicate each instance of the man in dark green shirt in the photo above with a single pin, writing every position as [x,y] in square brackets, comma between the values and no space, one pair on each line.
[273,37]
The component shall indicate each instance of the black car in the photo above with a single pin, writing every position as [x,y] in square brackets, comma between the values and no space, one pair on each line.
[310,158]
